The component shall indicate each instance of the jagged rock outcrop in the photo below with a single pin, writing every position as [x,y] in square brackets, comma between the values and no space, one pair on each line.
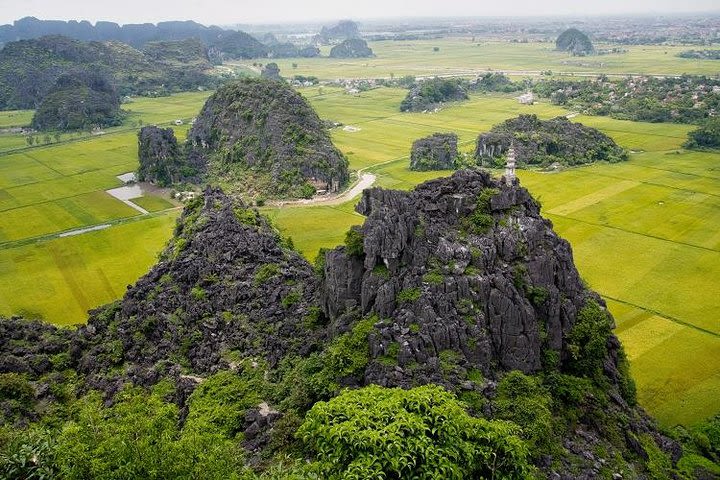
[265,131]
[225,283]
[437,152]
[458,283]
[544,142]
[161,158]
[445,283]
[225,289]
[351,48]
[574,41]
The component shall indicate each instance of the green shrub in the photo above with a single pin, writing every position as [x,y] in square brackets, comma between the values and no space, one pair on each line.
[537,295]
[522,400]
[265,272]
[422,433]
[587,341]
[408,295]
[434,278]
[219,403]
[381,270]
[198,293]
[349,354]
[290,299]
[319,263]
[16,387]
[27,454]
[247,216]
[138,437]
[354,243]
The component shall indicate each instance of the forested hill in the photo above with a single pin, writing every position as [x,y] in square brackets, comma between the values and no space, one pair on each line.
[30,68]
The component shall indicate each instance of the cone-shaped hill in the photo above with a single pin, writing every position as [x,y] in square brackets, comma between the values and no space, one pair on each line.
[261,138]
[459,283]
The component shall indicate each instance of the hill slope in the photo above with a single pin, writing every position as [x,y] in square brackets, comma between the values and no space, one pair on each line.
[30,68]
[265,130]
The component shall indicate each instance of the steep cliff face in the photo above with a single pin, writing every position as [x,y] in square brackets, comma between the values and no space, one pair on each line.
[260,137]
[463,264]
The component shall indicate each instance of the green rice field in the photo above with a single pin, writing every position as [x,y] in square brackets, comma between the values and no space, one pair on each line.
[49,190]
[644,232]
[462,56]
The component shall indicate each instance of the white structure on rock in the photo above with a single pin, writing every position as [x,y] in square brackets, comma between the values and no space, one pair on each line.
[510,167]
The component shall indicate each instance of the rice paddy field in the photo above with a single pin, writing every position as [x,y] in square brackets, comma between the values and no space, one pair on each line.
[645,233]
[51,190]
[465,55]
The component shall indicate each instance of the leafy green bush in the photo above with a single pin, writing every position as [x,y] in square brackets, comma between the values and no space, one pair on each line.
[522,400]
[139,438]
[265,272]
[290,299]
[26,454]
[481,219]
[354,243]
[219,403]
[587,341]
[434,278]
[422,433]
[408,295]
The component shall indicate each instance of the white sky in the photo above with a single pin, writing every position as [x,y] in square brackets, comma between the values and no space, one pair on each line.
[226,12]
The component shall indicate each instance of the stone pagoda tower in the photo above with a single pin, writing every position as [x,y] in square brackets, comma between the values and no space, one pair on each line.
[510,166]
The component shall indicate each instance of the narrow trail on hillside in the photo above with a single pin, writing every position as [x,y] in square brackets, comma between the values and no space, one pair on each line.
[366,181]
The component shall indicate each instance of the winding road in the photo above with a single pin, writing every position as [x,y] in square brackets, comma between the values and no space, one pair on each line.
[366,181]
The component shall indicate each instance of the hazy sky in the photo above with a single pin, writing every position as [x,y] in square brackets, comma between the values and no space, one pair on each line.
[225,12]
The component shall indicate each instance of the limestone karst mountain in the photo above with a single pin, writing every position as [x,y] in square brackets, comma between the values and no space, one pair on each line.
[265,130]
[459,283]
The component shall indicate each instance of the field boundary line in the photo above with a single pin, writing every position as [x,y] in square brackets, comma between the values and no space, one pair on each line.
[579,220]
[662,315]
[664,185]
[58,235]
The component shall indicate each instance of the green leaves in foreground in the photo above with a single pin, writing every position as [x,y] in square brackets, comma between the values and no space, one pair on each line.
[423,433]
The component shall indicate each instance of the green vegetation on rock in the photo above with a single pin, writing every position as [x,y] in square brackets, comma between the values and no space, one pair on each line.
[544,142]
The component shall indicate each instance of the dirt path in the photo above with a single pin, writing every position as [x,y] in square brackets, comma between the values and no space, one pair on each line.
[366,181]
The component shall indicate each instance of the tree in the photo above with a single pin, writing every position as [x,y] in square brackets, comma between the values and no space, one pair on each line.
[46,138]
[706,136]
[57,136]
[422,433]
[30,140]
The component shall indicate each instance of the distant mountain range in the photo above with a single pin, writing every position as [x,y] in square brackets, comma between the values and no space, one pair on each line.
[136,35]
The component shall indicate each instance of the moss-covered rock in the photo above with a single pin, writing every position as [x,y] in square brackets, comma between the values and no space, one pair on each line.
[262,138]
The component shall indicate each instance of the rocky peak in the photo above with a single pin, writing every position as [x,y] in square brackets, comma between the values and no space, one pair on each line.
[463,264]
[226,286]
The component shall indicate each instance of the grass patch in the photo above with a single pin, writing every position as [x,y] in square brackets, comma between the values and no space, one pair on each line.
[152,203]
